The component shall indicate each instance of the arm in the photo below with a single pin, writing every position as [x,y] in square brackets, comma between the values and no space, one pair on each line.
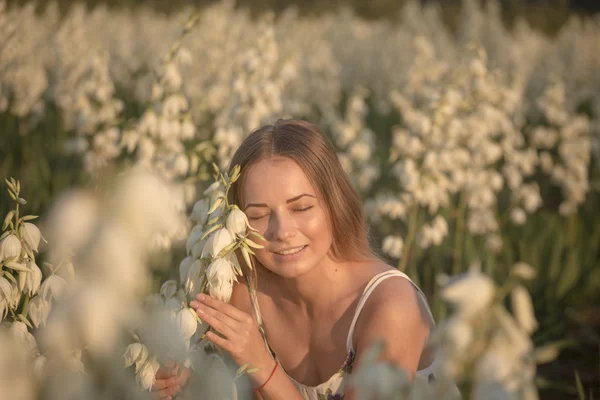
[241,338]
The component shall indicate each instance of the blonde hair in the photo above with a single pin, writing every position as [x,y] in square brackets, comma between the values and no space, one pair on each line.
[305,144]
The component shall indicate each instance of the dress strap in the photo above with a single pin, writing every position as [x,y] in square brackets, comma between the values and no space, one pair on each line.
[373,283]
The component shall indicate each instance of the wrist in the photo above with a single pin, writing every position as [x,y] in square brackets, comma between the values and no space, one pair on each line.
[264,381]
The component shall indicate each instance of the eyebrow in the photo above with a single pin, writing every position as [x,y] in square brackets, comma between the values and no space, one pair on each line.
[287,201]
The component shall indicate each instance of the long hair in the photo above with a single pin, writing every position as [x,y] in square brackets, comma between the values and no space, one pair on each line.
[305,144]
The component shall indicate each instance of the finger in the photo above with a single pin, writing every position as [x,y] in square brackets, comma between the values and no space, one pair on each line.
[167,392]
[219,341]
[160,384]
[225,308]
[222,323]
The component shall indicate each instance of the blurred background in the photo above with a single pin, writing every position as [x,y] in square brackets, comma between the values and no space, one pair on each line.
[470,129]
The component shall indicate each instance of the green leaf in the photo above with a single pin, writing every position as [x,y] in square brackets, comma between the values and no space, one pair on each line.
[211,230]
[241,369]
[16,266]
[216,204]
[7,219]
[253,244]
[10,277]
[245,246]
[246,257]
[580,391]
[29,217]
[10,185]
[258,235]
[235,173]
[212,221]
[25,321]
[12,195]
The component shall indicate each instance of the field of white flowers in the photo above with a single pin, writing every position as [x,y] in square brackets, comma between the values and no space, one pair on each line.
[476,153]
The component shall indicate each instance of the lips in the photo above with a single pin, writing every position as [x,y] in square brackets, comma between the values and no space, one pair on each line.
[290,250]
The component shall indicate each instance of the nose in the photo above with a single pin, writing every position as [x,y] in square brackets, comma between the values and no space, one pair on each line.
[281,228]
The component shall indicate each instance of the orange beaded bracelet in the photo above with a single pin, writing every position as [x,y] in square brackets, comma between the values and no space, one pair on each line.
[268,379]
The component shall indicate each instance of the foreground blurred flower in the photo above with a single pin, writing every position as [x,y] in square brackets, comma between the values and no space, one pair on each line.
[146,376]
[471,293]
[187,322]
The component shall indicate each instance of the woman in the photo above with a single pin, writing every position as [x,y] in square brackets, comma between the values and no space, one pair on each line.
[322,297]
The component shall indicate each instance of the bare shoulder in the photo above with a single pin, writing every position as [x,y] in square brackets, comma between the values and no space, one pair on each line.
[396,313]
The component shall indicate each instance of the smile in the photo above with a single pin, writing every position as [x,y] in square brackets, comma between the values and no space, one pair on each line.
[290,251]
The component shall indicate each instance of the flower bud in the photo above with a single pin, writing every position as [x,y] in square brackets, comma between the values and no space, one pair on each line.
[184,267]
[53,287]
[39,310]
[135,353]
[237,222]
[33,278]
[200,212]
[146,375]
[186,322]
[168,289]
[32,236]
[10,247]
[217,242]
[194,236]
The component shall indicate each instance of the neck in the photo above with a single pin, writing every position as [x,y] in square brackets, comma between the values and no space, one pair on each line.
[315,291]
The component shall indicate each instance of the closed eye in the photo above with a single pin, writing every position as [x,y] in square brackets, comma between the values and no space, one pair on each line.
[256,218]
[303,209]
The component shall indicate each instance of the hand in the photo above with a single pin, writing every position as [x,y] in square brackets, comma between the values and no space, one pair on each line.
[240,335]
[170,378]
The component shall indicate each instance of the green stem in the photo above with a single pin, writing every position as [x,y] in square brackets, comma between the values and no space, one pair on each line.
[460,235]
[25,308]
[412,232]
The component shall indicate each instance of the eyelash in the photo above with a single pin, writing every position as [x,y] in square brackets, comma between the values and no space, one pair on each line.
[297,210]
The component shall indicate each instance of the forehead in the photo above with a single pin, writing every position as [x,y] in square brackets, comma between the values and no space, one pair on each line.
[275,179]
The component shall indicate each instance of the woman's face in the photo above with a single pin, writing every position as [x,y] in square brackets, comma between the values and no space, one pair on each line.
[286,209]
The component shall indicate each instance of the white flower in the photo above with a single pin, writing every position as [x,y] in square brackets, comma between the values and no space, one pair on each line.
[194,277]
[393,245]
[19,330]
[168,289]
[53,287]
[135,353]
[194,236]
[33,279]
[237,222]
[523,309]
[173,304]
[38,366]
[217,242]
[39,310]
[524,271]
[184,267]
[221,275]
[187,323]
[200,212]
[518,216]
[10,247]
[146,375]
[471,293]
[32,235]
[6,291]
